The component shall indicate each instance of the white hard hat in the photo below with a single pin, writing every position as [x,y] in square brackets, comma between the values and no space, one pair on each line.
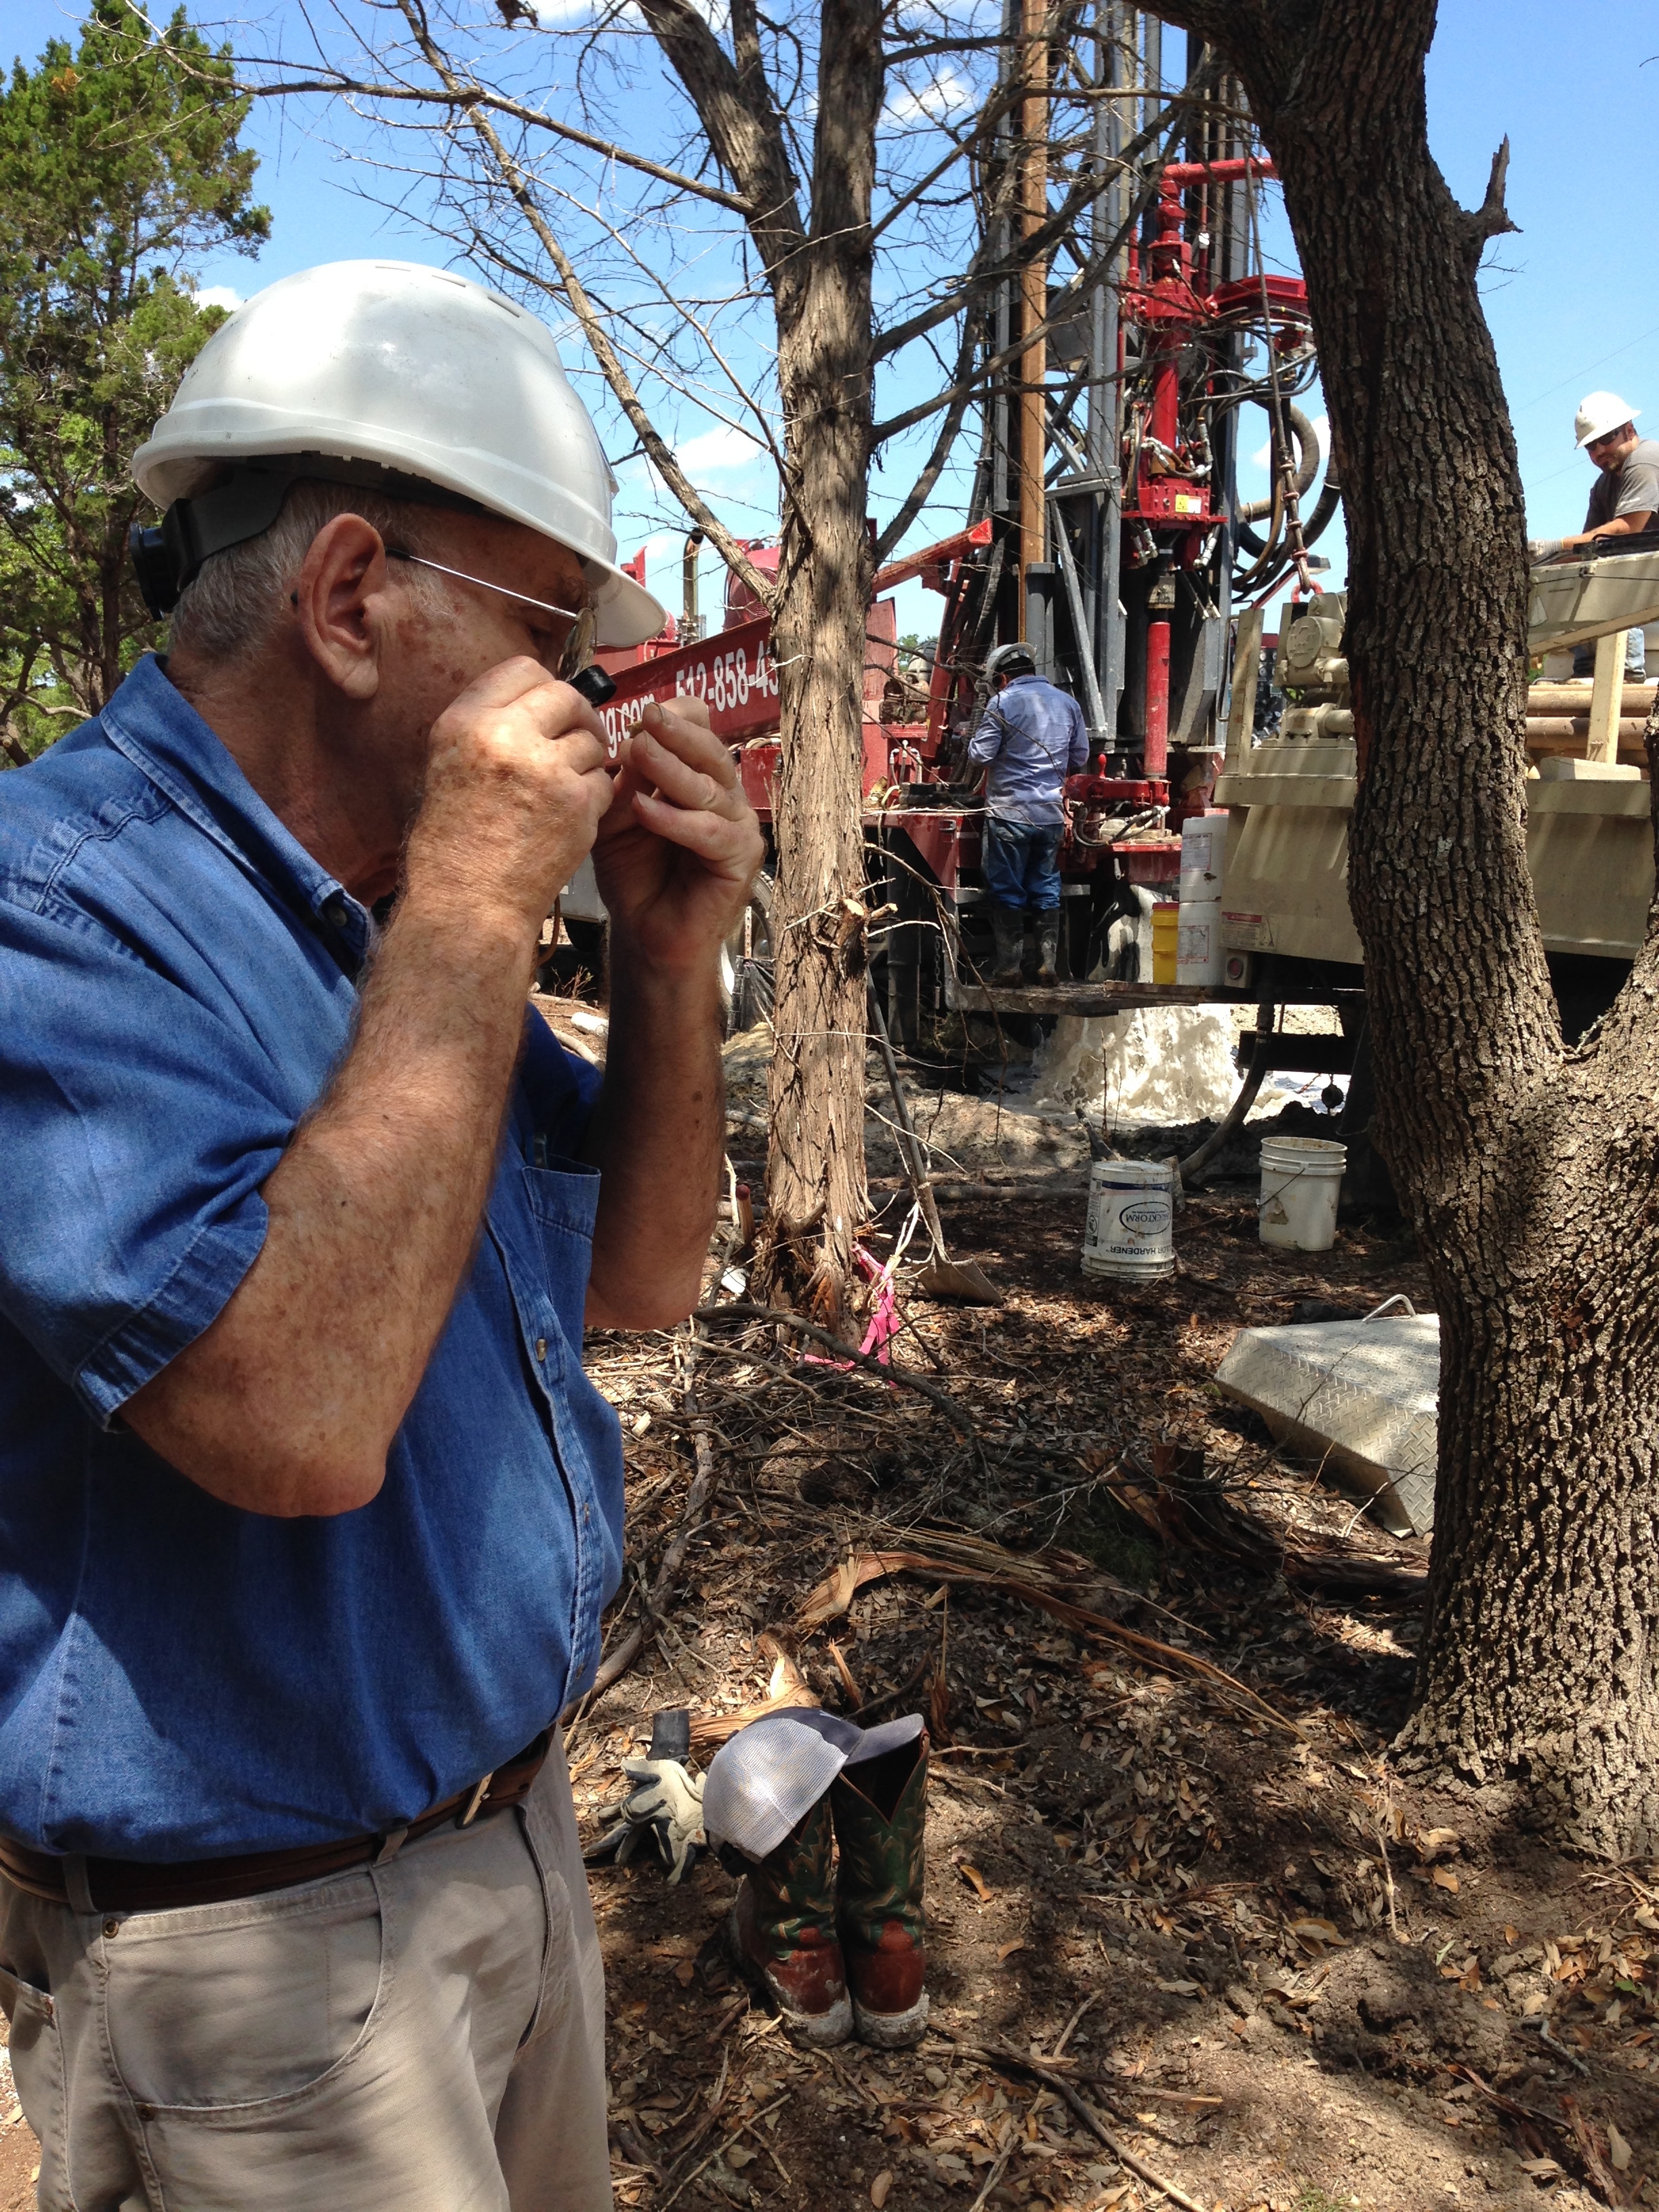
[414,370]
[1600,412]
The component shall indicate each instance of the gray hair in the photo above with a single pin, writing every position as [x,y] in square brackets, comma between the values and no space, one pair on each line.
[230,608]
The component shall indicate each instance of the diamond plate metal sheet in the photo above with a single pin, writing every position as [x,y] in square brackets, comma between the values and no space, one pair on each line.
[1364,1394]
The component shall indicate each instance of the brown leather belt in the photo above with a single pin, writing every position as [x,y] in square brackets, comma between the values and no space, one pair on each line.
[136,1885]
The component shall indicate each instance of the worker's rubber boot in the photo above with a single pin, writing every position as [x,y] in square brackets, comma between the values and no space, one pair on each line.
[1008,927]
[881,1811]
[782,1932]
[1047,937]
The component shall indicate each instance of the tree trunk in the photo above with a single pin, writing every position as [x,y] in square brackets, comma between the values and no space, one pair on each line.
[815,1195]
[1529,1173]
[819,273]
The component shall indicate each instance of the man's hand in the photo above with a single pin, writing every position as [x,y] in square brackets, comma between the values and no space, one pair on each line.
[680,847]
[516,787]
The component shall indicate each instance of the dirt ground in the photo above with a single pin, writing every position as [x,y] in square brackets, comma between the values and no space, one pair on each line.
[1167,1860]
[1304,1984]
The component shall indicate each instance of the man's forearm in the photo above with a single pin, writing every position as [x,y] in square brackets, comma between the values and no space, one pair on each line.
[288,1403]
[1622,526]
[659,1137]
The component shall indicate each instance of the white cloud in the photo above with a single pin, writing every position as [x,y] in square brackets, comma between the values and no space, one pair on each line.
[662,542]
[941,96]
[565,14]
[219,295]
[722,450]
[1262,457]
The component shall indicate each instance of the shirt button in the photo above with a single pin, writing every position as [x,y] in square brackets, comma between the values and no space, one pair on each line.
[334,911]
[541,1347]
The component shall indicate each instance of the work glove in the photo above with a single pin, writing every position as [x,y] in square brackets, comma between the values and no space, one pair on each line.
[1543,549]
[668,1804]
[665,1803]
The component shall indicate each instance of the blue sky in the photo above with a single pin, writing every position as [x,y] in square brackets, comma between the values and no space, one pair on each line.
[1568,299]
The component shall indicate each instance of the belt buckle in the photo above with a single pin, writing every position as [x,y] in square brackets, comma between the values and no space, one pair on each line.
[465,1819]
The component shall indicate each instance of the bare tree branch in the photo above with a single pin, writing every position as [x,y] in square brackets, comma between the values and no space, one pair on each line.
[470,97]
[981,272]
[1004,98]
[920,492]
[1491,218]
[657,449]
[743,129]
[490,249]
[1061,309]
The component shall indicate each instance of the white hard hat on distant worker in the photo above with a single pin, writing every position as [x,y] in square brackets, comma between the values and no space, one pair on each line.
[1600,412]
[391,376]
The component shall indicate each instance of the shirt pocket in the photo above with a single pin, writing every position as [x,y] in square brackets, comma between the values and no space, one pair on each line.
[37,2067]
[563,1201]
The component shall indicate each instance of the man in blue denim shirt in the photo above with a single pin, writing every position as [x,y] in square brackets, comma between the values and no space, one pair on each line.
[1030,738]
[307,1512]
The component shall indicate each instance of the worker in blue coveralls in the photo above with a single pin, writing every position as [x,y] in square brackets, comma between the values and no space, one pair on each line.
[1030,738]
[307,1510]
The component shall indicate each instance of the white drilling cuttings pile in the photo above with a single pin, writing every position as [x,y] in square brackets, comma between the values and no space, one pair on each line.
[1158,1064]
[1359,1396]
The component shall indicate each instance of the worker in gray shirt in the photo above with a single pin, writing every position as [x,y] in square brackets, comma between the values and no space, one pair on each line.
[1624,504]
[1030,739]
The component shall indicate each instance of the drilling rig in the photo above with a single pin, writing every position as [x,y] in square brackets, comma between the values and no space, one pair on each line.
[1107,470]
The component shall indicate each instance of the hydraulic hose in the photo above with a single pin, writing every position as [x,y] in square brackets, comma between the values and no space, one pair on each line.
[1330,498]
[1307,468]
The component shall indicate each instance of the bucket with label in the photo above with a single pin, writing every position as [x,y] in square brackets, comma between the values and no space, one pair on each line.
[1203,848]
[1301,1183]
[1131,1209]
[1200,957]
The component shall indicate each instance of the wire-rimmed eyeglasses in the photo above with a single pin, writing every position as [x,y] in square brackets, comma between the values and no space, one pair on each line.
[542,606]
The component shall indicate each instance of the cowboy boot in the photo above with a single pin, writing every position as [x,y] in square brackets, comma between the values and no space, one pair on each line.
[782,1932]
[881,1807]
[1008,927]
[1047,937]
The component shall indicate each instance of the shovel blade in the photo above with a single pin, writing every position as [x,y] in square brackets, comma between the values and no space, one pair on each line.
[959,1279]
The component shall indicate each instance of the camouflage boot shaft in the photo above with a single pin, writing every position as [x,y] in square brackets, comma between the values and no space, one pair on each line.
[782,1932]
[881,1810]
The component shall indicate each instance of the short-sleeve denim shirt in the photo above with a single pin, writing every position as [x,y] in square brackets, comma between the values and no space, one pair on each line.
[180,1679]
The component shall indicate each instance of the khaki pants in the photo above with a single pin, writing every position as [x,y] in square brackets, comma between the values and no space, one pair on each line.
[426,2035]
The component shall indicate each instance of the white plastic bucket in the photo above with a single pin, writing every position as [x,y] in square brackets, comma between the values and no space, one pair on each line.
[1203,848]
[1301,1182]
[1131,1209]
[1200,957]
